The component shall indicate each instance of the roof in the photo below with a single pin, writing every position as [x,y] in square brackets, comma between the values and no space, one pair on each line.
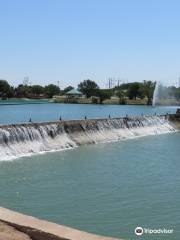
[74,92]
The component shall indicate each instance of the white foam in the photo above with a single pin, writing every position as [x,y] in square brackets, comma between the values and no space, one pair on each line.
[19,141]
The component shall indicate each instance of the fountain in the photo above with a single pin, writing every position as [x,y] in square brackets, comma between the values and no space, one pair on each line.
[156,94]
[165,95]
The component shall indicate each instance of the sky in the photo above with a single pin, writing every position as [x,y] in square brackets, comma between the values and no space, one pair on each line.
[72,40]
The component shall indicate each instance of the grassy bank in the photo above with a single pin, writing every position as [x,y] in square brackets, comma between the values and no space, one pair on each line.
[117,101]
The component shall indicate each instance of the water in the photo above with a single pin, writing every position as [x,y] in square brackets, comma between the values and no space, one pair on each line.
[16,101]
[156,94]
[164,95]
[105,188]
[28,139]
[52,112]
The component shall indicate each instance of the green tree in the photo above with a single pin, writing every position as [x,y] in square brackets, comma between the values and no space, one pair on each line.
[134,90]
[147,89]
[89,88]
[177,93]
[5,89]
[67,89]
[120,94]
[22,90]
[37,89]
[123,86]
[51,90]
[172,91]
[104,94]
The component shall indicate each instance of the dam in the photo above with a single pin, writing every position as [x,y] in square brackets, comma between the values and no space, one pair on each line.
[31,138]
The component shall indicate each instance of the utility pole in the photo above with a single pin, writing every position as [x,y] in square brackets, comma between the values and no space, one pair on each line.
[26,81]
[112,82]
[58,82]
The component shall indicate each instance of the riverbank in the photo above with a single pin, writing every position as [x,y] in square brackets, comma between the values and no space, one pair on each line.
[59,99]
[112,101]
[94,100]
[17,226]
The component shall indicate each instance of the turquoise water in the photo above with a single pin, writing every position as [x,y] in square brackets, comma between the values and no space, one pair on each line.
[108,188]
[16,101]
[52,112]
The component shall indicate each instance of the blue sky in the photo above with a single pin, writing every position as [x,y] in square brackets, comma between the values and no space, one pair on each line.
[73,40]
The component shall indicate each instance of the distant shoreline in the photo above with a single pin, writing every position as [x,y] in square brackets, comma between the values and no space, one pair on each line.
[23,101]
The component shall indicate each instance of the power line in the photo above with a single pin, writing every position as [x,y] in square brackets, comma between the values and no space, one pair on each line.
[112,82]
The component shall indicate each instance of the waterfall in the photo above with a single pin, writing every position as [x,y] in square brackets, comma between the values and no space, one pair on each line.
[26,139]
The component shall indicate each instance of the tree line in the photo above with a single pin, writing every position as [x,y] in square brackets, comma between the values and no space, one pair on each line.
[132,91]
[25,91]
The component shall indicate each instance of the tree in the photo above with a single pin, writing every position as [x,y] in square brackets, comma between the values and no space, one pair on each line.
[37,89]
[67,89]
[89,88]
[5,89]
[134,90]
[51,90]
[22,90]
[123,86]
[120,94]
[177,94]
[104,94]
[147,89]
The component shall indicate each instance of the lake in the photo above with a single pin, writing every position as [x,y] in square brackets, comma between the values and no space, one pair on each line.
[52,112]
[107,188]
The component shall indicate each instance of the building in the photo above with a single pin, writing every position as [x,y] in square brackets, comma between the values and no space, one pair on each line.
[74,93]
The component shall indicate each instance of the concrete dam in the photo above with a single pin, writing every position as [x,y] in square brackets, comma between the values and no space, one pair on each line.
[32,138]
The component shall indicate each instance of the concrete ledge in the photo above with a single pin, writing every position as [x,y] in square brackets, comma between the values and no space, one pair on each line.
[38,229]
[77,121]
[175,119]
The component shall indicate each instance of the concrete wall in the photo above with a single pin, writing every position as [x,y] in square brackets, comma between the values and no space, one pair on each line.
[38,229]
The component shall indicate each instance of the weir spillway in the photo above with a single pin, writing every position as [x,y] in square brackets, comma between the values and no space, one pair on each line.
[32,138]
